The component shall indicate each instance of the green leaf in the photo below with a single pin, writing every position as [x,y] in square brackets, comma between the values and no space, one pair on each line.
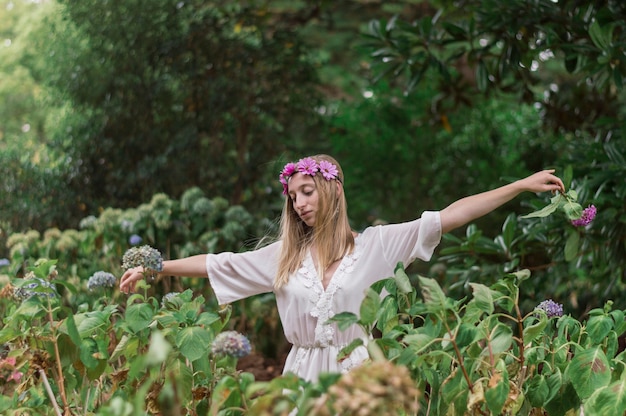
[139,316]
[193,342]
[571,245]
[223,391]
[538,391]
[483,297]
[454,395]
[508,231]
[568,175]
[609,400]
[482,76]
[369,308]
[387,317]
[598,327]
[127,347]
[344,320]
[402,280]
[8,333]
[418,340]
[465,335]
[531,332]
[72,330]
[589,371]
[554,381]
[601,37]
[347,350]
[434,298]
[572,209]
[88,347]
[498,388]
[501,338]
[544,212]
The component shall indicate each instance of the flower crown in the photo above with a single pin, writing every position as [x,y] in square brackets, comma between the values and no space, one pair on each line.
[308,166]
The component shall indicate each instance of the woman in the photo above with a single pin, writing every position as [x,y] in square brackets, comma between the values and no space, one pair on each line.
[320,266]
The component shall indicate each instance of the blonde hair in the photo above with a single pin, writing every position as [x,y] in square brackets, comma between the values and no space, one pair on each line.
[331,235]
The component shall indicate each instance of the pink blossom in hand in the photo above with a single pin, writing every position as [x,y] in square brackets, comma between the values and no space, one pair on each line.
[585,219]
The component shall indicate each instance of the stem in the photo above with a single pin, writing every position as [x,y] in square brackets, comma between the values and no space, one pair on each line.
[520,341]
[50,394]
[57,356]
[459,358]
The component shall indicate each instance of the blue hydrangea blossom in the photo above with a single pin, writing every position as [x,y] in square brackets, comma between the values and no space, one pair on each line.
[231,343]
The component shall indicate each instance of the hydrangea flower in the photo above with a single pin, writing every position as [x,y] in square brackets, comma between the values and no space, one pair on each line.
[145,256]
[101,279]
[167,297]
[587,216]
[551,308]
[4,262]
[35,287]
[135,240]
[231,343]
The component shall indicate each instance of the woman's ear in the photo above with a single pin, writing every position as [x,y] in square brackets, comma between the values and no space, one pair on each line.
[339,190]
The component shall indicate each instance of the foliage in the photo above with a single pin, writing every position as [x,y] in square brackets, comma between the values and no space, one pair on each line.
[422,162]
[486,354]
[490,46]
[483,353]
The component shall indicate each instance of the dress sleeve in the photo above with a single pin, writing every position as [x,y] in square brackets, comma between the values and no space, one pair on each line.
[235,276]
[412,240]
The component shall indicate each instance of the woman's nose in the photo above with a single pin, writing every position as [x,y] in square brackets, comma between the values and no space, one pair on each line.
[299,202]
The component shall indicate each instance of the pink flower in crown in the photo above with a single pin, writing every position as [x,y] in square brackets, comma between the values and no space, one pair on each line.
[288,170]
[307,166]
[328,170]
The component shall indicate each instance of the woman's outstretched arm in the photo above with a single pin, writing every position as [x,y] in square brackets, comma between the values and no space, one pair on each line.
[472,207]
[194,266]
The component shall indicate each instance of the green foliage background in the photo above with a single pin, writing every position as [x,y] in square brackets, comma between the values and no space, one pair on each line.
[108,107]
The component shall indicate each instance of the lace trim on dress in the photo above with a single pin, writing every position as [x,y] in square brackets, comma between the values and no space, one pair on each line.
[323,299]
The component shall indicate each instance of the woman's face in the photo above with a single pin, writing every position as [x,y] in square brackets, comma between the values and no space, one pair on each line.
[304,197]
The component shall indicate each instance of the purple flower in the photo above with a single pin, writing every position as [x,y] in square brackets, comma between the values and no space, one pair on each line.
[329,171]
[587,216]
[551,308]
[135,240]
[4,262]
[307,166]
[231,343]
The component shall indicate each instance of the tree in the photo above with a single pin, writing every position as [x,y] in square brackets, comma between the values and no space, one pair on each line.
[565,58]
[167,95]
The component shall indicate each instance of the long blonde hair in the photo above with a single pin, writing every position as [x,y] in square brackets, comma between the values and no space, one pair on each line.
[331,235]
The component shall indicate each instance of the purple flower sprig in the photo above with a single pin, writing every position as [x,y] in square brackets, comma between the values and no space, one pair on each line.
[551,308]
[587,216]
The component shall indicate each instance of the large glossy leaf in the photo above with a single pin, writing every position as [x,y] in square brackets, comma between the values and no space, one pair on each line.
[589,371]
[609,400]
[193,342]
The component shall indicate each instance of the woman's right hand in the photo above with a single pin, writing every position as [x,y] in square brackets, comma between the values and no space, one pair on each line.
[129,279]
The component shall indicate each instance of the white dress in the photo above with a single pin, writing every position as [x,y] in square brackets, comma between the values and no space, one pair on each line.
[303,304]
